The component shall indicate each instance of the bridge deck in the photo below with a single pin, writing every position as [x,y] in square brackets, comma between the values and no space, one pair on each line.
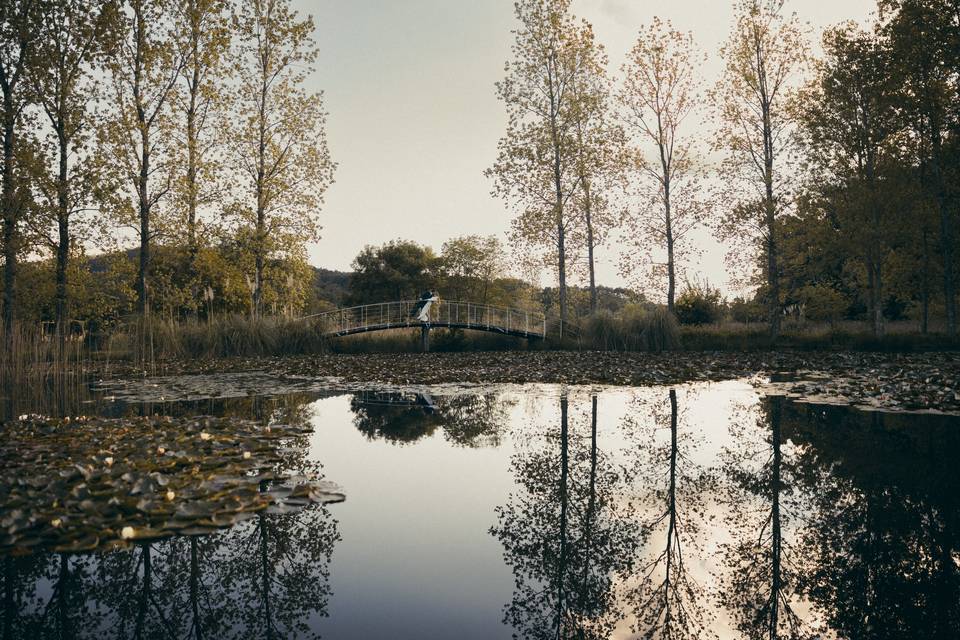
[454,315]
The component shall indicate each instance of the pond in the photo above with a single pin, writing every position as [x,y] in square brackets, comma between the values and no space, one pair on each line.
[535,511]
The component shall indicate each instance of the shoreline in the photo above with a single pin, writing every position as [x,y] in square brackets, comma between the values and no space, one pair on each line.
[913,381]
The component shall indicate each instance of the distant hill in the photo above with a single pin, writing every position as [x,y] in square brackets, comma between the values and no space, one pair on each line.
[330,286]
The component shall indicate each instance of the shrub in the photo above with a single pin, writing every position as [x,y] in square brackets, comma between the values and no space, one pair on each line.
[698,304]
[746,311]
[822,302]
[633,323]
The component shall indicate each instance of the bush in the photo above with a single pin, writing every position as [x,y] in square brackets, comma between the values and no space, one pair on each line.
[747,311]
[822,302]
[699,304]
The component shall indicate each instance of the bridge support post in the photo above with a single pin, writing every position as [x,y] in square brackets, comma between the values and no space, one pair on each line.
[425,337]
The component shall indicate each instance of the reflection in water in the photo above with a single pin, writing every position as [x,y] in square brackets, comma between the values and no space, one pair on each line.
[470,420]
[60,394]
[705,512]
[393,416]
[264,578]
[566,534]
[884,537]
[760,586]
[668,601]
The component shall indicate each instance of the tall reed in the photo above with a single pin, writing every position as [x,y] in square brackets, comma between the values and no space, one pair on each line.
[37,368]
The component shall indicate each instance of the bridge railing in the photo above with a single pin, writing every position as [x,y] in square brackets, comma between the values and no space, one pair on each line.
[386,315]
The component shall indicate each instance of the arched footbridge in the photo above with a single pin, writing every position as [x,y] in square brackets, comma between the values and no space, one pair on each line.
[447,314]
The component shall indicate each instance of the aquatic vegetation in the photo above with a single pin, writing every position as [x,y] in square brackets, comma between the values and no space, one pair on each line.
[75,485]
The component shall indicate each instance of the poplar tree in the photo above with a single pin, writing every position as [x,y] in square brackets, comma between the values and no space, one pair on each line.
[763,58]
[18,43]
[536,166]
[599,151]
[143,72]
[73,35]
[278,140]
[659,97]
[200,100]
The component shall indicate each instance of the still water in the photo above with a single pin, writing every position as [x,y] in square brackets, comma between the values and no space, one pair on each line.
[696,511]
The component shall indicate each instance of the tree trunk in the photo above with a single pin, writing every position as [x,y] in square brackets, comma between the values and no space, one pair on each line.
[266,577]
[562,559]
[145,594]
[770,220]
[947,239]
[773,280]
[192,136]
[11,217]
[671,268]
[769,203]
[591,510]
[666,162]
[925,285]
[871,291]
[260,224]
[63,244]
[258,269]
[878,327]
[558,192]
[143,271]
[588,214]
[777,536]
[191,179]
[671,508]
[875,248]
[562,276]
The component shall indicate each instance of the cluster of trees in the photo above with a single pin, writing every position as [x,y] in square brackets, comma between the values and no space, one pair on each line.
[836,184]
[472,268]
[468,268]
[879,131]
[182,126]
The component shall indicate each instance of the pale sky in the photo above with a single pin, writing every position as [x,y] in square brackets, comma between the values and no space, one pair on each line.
[414,118]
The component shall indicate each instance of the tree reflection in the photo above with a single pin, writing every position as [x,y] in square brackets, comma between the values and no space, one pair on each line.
[668,601]
[885,531]
[760,585]
[264,578]
[471,420]
[567,533]
[41,597]
[474,420]
[395,417]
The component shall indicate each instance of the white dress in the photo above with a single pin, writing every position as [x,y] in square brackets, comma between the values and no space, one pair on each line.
[424,315]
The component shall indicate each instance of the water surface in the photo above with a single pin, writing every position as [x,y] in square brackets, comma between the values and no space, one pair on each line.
[702,510]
